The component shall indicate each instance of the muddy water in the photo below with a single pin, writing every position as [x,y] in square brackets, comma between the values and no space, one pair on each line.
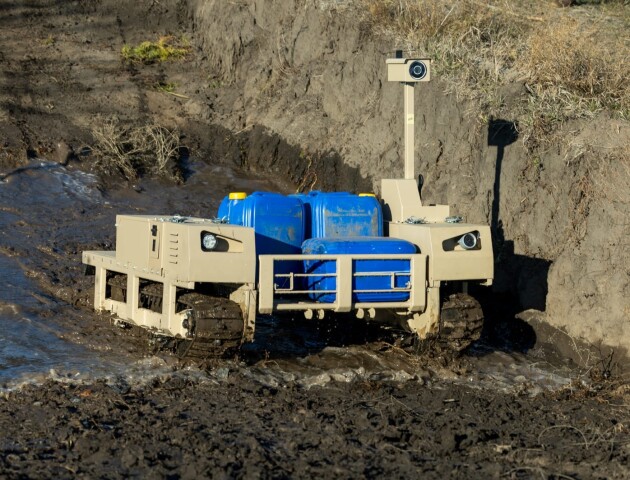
[44,208]
[50,213]
[307,355]
[30,344]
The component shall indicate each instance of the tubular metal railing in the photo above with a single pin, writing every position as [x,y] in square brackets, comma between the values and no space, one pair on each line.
[281,290]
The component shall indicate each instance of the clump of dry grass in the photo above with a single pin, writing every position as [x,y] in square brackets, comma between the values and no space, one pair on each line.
[575,70]
[569,54]
[573,62]
[135,150]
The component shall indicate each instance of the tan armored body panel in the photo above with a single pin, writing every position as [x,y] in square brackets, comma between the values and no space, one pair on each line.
[172,248]
[169,252]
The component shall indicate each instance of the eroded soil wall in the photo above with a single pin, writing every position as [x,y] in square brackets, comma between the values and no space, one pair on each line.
[310,72]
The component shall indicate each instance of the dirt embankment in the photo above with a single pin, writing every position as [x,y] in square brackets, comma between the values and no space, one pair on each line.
[311,73]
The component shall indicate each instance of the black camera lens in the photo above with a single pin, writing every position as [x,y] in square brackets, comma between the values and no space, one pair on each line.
[417,70]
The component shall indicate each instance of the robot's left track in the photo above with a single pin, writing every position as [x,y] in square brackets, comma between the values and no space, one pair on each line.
[216,324]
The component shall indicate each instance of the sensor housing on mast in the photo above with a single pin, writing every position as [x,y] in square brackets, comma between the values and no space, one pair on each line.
[408,70]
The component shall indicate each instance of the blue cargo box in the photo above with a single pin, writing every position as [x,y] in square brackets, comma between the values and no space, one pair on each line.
[359,245]
[341,214]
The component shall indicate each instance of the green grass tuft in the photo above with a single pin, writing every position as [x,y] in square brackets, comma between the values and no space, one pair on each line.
[166,48]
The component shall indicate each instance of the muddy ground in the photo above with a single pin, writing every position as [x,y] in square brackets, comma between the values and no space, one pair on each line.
[83,398]
[235,427]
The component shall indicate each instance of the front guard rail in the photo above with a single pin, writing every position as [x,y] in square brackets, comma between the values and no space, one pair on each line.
[270,291]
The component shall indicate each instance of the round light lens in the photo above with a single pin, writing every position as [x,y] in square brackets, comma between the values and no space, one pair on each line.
[468,241]
[209,241]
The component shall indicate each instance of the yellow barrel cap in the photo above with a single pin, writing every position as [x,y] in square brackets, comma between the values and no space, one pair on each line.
[237,195]
[366,195]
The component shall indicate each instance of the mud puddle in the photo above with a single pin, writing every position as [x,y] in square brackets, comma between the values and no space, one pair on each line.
[49,214]
[507,372]
[29,344]
[302,353]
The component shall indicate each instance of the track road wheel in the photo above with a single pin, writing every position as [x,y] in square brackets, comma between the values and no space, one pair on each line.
[461,322]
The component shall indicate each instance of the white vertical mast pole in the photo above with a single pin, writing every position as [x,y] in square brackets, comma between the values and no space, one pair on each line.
[410,167]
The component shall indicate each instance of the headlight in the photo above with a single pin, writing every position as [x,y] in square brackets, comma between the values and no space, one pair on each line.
[468,241]
[208,241]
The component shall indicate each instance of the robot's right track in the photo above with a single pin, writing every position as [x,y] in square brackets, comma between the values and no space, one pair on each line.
[461,322]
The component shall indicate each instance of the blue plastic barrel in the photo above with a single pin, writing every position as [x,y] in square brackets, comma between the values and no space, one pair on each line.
[359,245]
[307,199]
[231,208]
[277,220]
[341,214]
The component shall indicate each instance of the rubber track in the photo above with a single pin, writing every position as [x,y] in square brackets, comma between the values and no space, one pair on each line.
[151,297]
[461,322]
[118,285]
[219,326]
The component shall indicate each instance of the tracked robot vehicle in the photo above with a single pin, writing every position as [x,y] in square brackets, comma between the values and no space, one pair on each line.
[202,282]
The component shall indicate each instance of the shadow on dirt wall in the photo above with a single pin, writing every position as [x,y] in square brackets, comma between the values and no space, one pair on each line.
[259,151]
[520,281]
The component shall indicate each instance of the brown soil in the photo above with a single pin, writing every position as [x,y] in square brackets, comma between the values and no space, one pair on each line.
[60,67]
[238,428]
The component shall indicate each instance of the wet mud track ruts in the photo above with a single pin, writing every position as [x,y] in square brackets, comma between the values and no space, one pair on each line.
[231,426]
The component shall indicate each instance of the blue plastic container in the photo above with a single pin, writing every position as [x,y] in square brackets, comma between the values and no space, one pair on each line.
[341,214]
[359,245]
[305,198]
[231,208]
[278,220]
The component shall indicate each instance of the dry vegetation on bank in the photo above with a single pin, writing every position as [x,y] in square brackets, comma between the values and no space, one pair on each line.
[132,151]
[573,62]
